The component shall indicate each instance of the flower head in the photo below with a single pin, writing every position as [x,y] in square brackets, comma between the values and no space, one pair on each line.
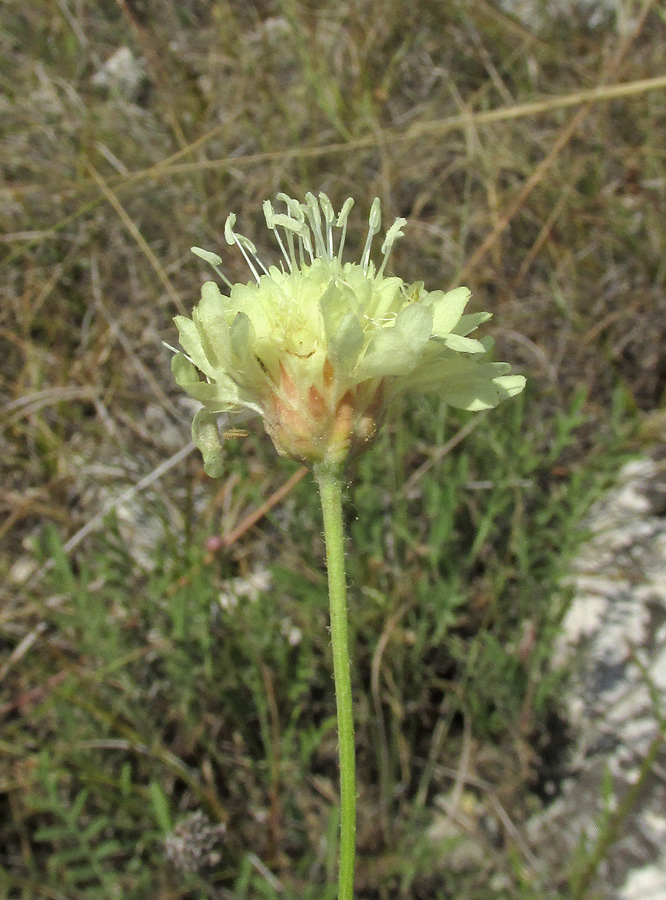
[318,347]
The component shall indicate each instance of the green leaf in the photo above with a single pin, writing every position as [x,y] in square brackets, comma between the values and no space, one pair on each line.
[160,806]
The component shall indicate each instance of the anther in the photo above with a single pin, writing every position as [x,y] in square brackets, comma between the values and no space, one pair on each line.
[214,260]
[231,237]
[375,224]
[392,235]
[329,215]
[342,223]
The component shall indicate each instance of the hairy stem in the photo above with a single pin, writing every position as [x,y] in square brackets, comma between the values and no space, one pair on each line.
[330,489]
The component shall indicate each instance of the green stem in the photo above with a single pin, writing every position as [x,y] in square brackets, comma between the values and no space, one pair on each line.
[330,489]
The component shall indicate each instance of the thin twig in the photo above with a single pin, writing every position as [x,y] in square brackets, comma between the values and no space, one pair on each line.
[463,763]
[124,342]
[535,178]
[215,544]
[415,132]
[22,648]
[502,814]
[443,451]
[378,655]
[153,55]
[138,237]
[588,98]
[274,762]
[228,539]
[418,130]
[31,403]
[610,832]
[547,227]
[94,523]
[266,873]
[145,482]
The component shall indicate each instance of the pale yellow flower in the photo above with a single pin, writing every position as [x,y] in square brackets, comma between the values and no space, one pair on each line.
[319,347]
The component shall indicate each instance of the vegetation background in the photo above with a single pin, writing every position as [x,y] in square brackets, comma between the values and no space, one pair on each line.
[165,682]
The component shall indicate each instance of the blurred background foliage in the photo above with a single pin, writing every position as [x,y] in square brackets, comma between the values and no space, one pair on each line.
[165,681]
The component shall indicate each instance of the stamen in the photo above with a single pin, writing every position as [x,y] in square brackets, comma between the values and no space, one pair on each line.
[308,246]
[269,214]
[231,237]
[392,235]
[292,249]
[291,227]
[329,215]
[214,260]
[375,224]
[253,250]
[294,209]
[311,209]
[342,223]
[290,243]
[175,351]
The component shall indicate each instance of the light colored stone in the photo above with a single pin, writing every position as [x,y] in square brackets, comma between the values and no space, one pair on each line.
[21,570]
[658,671]
[121,72]
[610,638]
[647,883]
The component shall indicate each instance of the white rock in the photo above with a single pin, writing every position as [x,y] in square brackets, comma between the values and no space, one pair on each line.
[618,580]
[22,570]
[122,72]
[647,883]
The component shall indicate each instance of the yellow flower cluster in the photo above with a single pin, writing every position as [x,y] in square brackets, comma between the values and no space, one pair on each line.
[318,347]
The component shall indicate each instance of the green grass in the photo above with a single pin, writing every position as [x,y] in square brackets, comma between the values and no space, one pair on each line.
[159,701]
[131,697]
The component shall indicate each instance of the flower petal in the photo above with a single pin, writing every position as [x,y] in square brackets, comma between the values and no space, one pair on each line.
[462,344]
[183,371]
[190,341]
[466,383]
[346,344]
[251,376]
[335,305]
[396,350]
[509,385]
[211,321]
[447,309]
[471,322]
[241,335]
[383,297]
[220,395]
